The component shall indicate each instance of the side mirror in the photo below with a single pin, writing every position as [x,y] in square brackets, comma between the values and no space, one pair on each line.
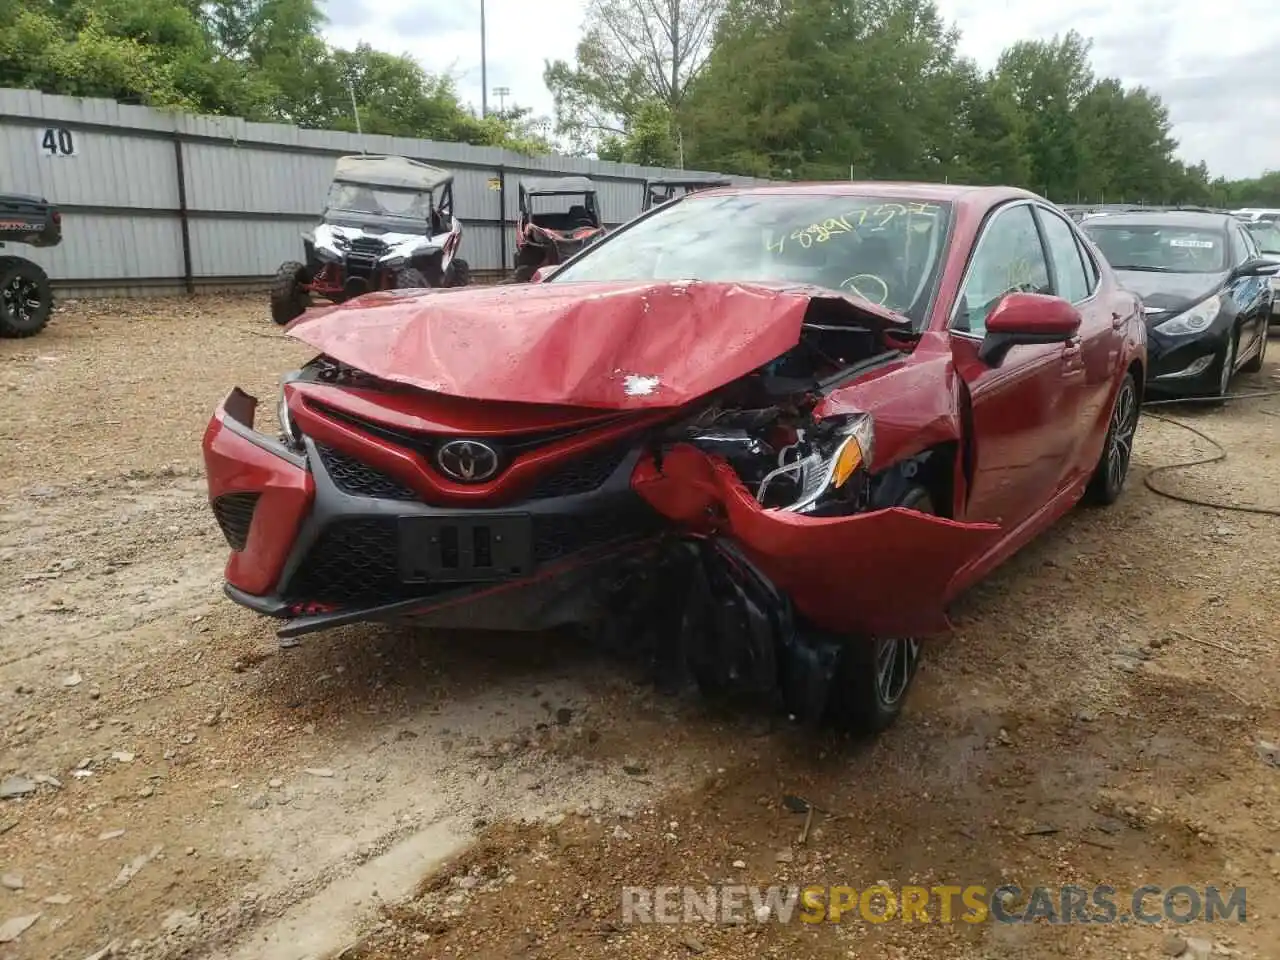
[1027,318]
[542,273]
[1256,267]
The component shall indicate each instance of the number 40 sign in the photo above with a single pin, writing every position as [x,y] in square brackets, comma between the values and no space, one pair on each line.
[57,142]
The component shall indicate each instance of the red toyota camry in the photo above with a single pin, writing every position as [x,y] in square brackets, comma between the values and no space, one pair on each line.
[767,434]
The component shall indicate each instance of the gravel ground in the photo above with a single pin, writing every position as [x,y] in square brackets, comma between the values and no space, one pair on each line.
[176,785]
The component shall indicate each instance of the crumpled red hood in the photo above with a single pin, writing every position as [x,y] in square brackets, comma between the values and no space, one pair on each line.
[625,346]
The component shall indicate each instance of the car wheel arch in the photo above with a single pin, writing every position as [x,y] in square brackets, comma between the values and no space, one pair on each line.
[932,468]
[1139,375]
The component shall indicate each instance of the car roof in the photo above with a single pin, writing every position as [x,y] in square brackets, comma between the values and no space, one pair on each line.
[1165,218]
[960,194]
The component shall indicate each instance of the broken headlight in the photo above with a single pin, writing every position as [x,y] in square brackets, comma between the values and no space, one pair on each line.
[820,462]
[289,432]
[788,467]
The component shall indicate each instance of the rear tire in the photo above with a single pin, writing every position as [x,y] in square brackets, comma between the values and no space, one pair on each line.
[461,273]
[26,298]
[410,278]
[289,297]
[1108,477]
[873,677]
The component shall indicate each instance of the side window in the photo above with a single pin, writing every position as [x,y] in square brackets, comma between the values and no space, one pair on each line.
[1242,244]
[1008,258]
[1090,265]
[1250,245]
[1071,284]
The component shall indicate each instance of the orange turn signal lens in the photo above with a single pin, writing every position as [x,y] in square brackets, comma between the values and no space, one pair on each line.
[848,459]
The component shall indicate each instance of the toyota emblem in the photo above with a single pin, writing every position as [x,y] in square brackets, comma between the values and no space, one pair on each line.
[468,461]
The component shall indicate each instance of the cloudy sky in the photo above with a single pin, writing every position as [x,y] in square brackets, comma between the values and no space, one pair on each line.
[1215,64]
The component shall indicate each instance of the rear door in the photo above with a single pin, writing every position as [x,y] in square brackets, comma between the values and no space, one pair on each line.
[1075,278]
[1026,410]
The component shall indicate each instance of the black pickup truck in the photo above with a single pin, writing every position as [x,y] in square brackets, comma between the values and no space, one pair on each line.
[26,299]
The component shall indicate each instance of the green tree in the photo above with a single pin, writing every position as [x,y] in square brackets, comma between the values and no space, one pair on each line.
[818,87]
[988,130]
[1048,80]
[258,59]
[633,54]
[1126,145]
[648,141]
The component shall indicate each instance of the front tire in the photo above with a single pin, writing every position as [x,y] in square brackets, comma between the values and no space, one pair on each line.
[410,278]
[1228,365]
[461,273]
[289,296]
[26,298]
[1109,476]
[873,677]
[1258,359]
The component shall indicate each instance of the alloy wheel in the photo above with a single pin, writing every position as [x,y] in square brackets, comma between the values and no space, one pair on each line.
[896,660]
[1124,423]
[21,298]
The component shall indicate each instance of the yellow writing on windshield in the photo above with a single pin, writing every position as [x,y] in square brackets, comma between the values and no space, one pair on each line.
[875,217]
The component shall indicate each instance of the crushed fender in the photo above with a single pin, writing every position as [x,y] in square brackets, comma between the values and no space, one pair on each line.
[881,573]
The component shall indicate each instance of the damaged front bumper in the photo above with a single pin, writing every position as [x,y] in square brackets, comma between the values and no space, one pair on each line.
[308,551]
[888,572]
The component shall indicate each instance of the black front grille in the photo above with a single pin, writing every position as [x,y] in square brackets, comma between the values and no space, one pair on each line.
[234,513]
[580,475]
[559,535]
[352,561]
[361,480]
[356,561]
[369,246]
[362,256]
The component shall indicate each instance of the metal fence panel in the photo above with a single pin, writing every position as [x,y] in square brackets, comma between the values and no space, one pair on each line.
[108,248]
[188,201]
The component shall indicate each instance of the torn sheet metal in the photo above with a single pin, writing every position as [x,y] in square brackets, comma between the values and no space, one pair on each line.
[913,405]
[625,346]
[882,573]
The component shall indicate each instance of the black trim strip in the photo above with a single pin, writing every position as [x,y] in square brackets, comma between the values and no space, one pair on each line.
[108,210]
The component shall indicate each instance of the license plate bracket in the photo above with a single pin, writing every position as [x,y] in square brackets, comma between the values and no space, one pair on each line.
[476,548]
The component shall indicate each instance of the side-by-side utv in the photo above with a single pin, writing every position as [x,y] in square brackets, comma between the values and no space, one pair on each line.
[657,192]
[557,219]
[388,223]
[26,297]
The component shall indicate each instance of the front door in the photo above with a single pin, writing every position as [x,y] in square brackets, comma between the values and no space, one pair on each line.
[1250,294]
[1026,409]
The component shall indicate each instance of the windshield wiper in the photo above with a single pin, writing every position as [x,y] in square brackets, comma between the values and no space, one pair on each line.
[1143,269]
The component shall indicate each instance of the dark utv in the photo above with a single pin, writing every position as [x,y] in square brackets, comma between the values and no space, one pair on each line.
[1205,290]
[26,298]
[657,192]
[557,219]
